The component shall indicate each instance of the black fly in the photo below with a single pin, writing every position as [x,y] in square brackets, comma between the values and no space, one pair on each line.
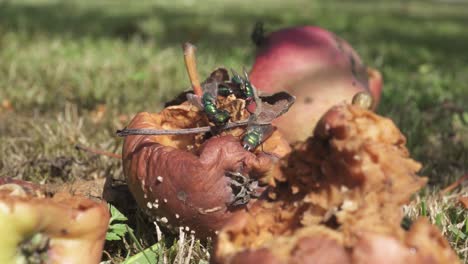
[243,188]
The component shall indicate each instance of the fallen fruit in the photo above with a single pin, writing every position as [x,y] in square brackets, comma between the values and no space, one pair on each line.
[337,198]
[39,229]
[317,67]
[196,181]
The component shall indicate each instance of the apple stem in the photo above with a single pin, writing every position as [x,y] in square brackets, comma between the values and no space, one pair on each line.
[191,66]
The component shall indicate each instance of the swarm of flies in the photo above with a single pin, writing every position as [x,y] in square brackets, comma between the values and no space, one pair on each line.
[241,87]
[263,110]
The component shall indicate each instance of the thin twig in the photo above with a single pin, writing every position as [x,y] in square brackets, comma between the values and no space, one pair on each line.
[158,231]
[98,152]
[181,242]
[191,65]
[189,254]
[184,131]
[454,185]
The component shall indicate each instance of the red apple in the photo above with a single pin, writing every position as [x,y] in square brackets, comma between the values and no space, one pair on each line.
[316,66]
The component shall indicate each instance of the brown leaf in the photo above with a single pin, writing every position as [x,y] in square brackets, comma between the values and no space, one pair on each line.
[219,75]
[274,106]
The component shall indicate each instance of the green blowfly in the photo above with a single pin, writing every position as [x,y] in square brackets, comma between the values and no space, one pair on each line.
[207,103]
[255,135]
[247,89]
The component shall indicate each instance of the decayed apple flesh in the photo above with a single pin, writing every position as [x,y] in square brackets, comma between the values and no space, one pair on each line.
[181,180]
[337,199]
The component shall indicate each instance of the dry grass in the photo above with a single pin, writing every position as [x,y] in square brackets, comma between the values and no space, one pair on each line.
[73,72]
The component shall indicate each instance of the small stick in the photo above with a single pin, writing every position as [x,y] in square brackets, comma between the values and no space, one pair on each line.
[98,152]
[181,242]
[189,254]
[454,185]
[191,66]
[183,131]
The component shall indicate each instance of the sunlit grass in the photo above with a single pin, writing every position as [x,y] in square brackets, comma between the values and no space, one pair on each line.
[75,71]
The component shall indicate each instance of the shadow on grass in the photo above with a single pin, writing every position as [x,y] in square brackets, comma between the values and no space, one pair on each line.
[172,26]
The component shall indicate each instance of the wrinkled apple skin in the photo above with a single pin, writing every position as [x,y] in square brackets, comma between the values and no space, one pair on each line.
[184,189]
[317,67]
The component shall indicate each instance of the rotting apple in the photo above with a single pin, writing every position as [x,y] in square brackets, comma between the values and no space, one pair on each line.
[58,229]
[317,67]
[337,199]
[196,181]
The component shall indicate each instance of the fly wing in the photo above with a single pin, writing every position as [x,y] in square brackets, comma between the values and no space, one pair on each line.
[246,75]
[259,125]
[236,77]
[195,100]
[211,88]
[266,131]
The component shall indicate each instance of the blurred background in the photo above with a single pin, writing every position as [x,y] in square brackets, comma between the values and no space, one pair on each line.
[74,71]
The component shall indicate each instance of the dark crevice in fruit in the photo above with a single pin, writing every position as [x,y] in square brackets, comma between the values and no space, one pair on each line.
[34,249]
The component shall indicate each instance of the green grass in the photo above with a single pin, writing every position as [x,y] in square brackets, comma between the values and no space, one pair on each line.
[60,60]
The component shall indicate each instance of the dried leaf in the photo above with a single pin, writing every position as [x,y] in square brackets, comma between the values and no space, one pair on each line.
[274,106]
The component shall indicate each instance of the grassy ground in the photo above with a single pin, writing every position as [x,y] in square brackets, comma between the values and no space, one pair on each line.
[75,71]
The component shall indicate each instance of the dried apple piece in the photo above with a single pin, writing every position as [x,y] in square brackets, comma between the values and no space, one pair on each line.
[182,180]
[197,180]
[61,229]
